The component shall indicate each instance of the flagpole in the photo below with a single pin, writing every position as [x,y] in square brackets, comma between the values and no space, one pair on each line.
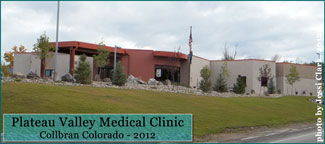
[56,43]
[190,58]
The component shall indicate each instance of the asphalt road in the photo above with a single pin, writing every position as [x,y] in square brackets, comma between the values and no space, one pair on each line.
[306,135]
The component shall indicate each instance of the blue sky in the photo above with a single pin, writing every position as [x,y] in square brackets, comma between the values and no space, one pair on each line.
[259,29]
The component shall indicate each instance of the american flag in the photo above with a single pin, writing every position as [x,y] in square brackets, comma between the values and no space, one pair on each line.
[190,40]
[190,45]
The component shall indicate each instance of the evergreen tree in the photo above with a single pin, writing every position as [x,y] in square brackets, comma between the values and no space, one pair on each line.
[119,77]
[239,87]
[271,87]
[221,84]
[205,83]
[83,71]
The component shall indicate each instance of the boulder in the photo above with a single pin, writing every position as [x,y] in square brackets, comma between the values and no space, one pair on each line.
[139,81]
[32,75]
[107,80]
[68,78]
[153,81]
[18,76]
[134,80]
[167,82]
[131,80]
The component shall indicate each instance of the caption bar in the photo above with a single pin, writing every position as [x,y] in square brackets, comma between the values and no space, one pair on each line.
[97,127]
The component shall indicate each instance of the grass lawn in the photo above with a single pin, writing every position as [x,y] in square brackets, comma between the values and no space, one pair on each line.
[211,114]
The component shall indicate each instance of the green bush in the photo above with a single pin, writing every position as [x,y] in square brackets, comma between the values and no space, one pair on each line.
[205,83]
[221,84]
[5,70]
[83,71]
[18,80]
[271,87]
[239,87]
[119,77]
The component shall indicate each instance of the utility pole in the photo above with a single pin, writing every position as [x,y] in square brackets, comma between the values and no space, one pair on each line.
[56,43]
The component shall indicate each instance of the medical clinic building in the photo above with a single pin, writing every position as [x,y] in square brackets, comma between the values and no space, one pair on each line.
[143,64]
[163,65]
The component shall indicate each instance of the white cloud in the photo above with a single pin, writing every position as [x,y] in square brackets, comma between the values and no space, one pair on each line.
[261,29]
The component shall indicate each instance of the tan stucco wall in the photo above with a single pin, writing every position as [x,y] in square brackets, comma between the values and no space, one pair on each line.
[63,64]
[305,71]
[248,68]
[306,83]
[196,66]
[26,62]
[184,73]
[256,72]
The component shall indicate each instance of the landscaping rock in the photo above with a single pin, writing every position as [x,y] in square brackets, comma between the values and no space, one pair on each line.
[18,76]
[167,82]
[134,80]
[133,83]
[32,75]
[153,81]
[68,78]
[107,80]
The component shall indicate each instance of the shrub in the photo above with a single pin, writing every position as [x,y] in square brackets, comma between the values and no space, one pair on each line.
[83,71]
[239,87]
[271,87]
[221,84]
[5,70]
[18,80]
[205,83]
[119,77]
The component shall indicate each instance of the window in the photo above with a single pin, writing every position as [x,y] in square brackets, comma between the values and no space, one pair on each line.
[48,72]
[163,73]
[264,81]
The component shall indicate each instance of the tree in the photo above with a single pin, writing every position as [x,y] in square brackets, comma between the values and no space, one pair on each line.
[42,49]
[102,57]
[5,70]
[292,77]
[271,87]
[83,71]
[221,83]
[265,75]
[276,57]
[225,71]
[205,83]
[240,86]
[119,77]
[9,56]
[226,55]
